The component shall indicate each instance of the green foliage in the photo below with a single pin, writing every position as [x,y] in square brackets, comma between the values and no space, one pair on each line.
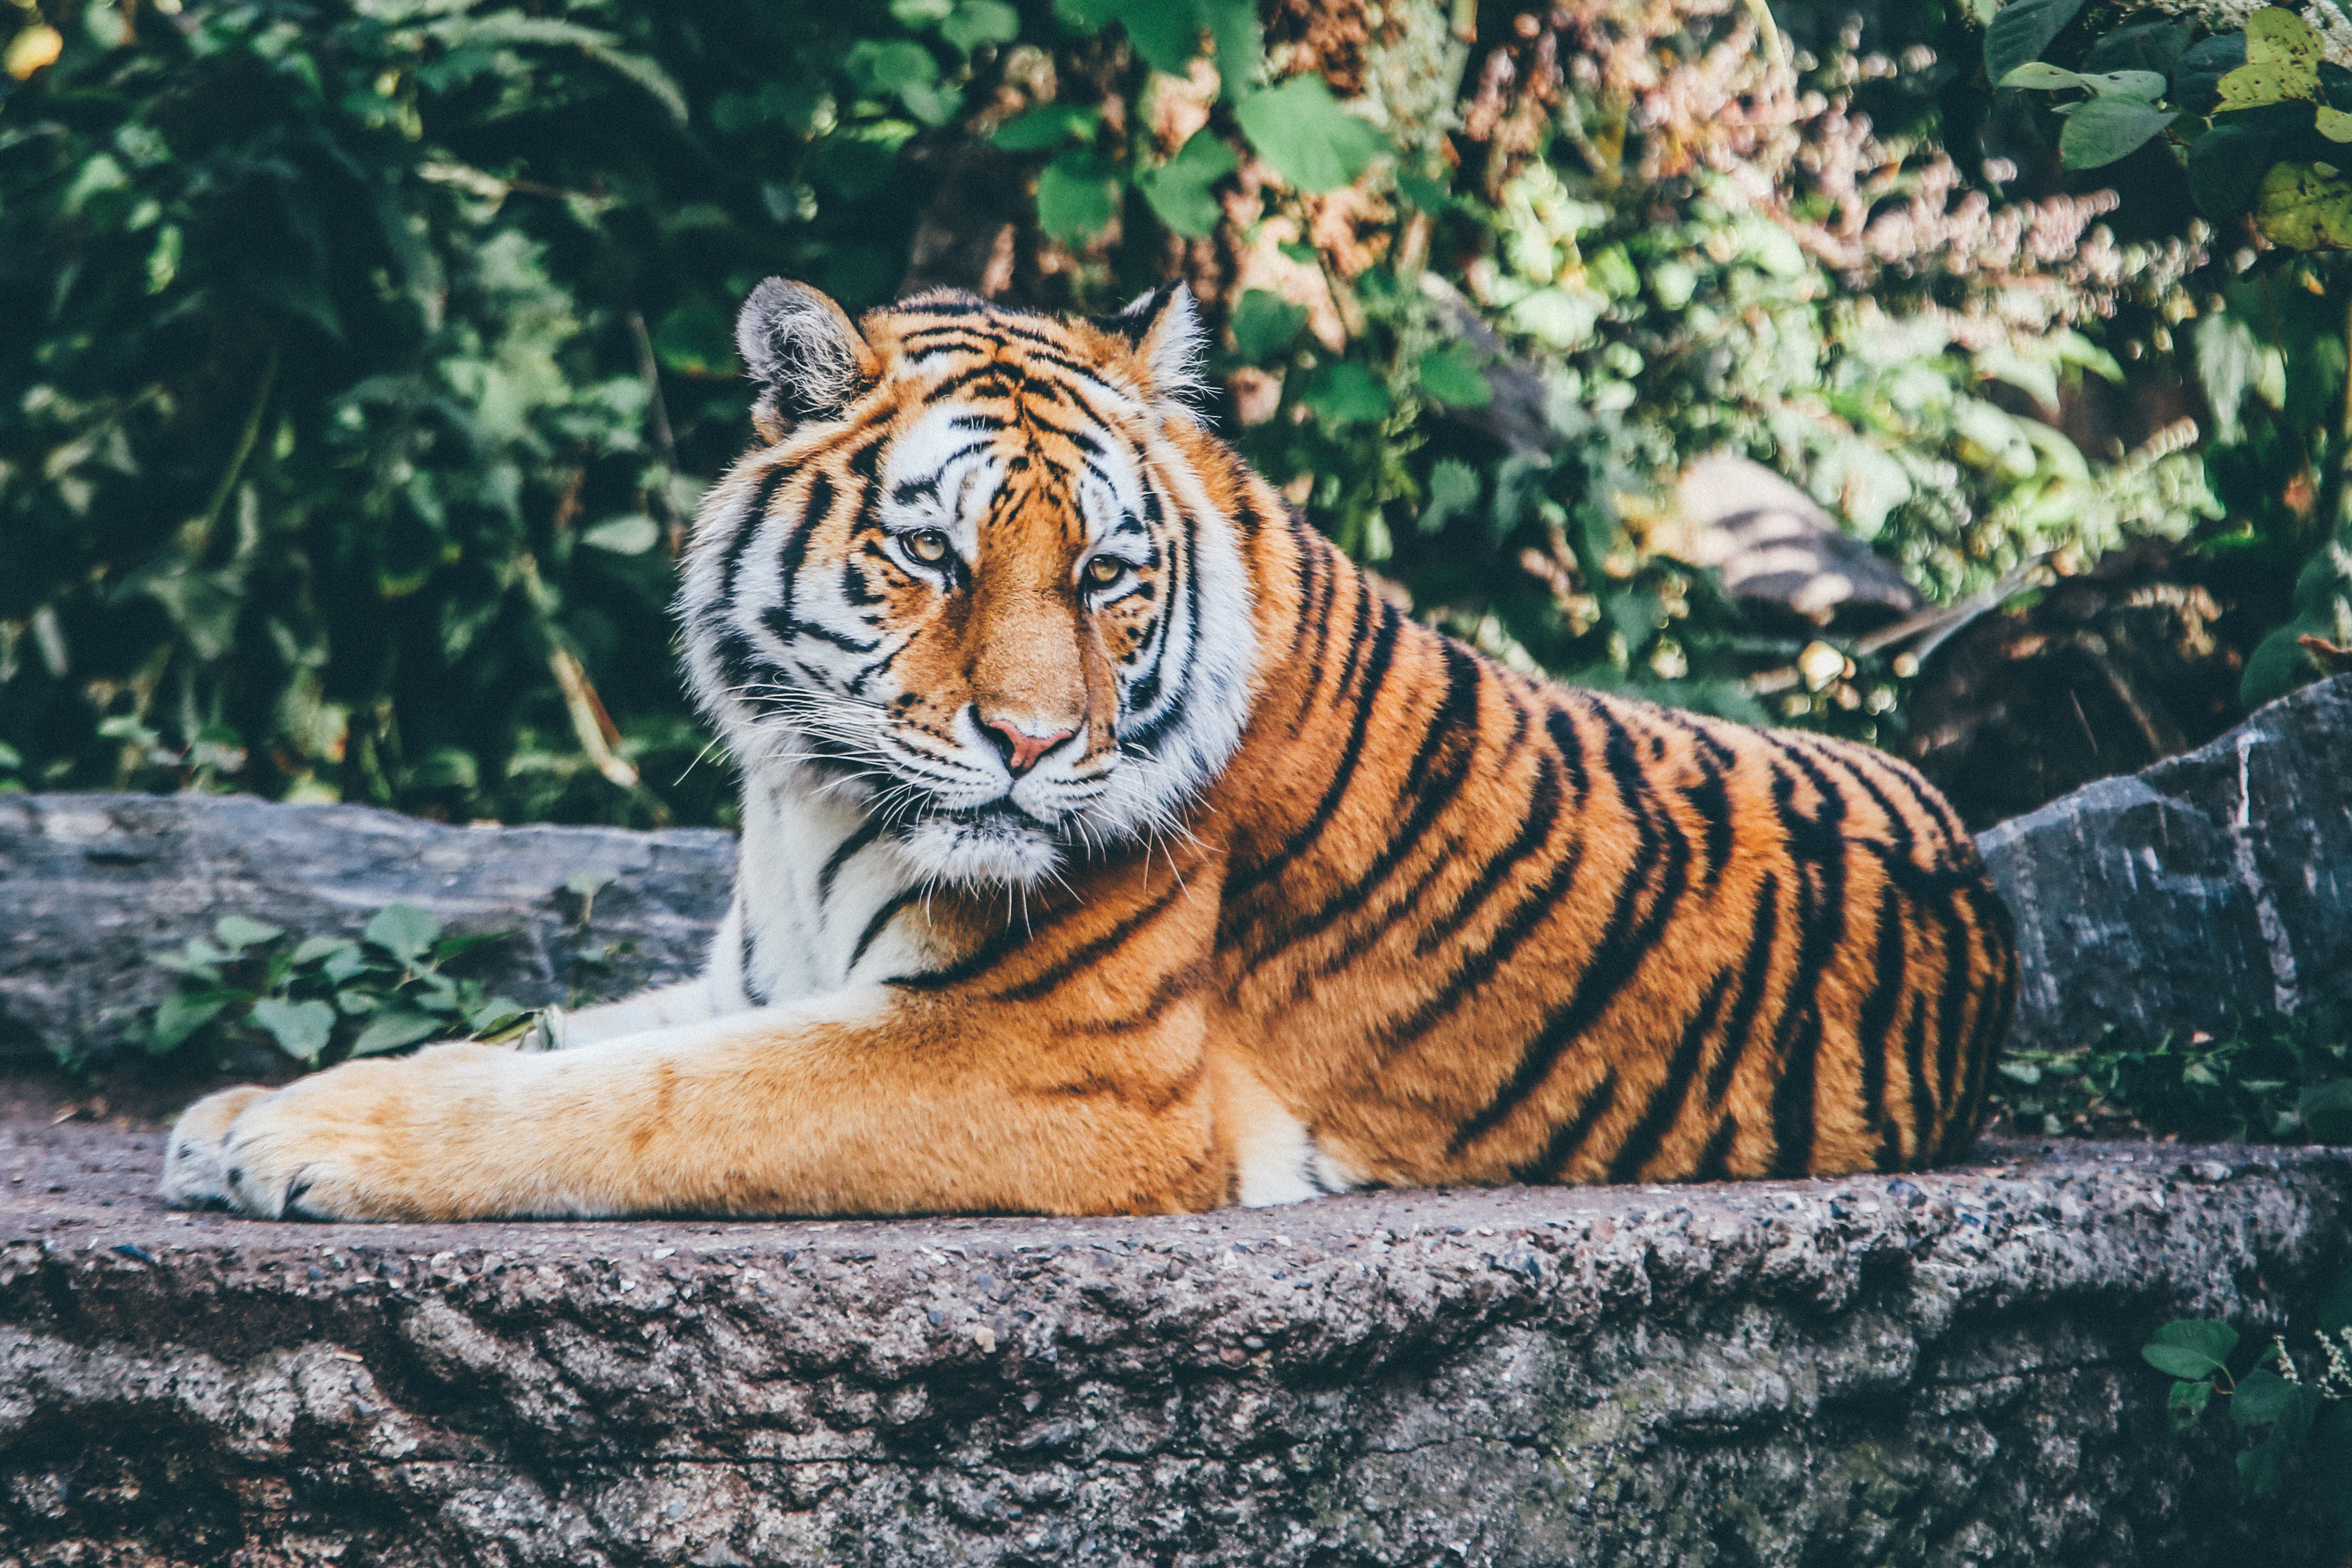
[2275,1079]
[325,999]
[360,364]
[2257,121]
[2300,1419]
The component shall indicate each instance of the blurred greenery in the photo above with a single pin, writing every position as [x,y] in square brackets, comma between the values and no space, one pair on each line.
[361,362]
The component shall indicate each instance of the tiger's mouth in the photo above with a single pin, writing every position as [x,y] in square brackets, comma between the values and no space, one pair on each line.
[994,842]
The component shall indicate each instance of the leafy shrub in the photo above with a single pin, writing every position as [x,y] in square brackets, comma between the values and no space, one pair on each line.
[2302,1419]
[360,364]
[252,994]
[2274,1078]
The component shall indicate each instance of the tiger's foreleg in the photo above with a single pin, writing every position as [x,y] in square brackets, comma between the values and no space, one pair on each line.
[867,1101]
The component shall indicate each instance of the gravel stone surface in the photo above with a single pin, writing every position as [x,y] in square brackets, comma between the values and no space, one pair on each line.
[1936,1369]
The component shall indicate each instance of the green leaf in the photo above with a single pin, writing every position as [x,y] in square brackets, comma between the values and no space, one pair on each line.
[181,1015]
[1166,33]
[2144,86]
[312,948]
[2191,1347]
[1179,189]
[402,930]
[1233,28]
[623,535]
[2187,1402]
[2282,56]
[2107,129]
[301,1029]
[1078,196]
[1300,129]
[393,1027]
[2021,29]
[981,24]
[2326,1112]
[2305,209]
[494,1016]
[1454,491]
[2197,79]
[1343,392]
[2226,166]
[1265,324]
[1430,194]
[2335,1313]
[915,16]
[2264,1397]
[446,767]
[1451,375]
[1047,125]
[880,66]
[2153,47]
[238,933]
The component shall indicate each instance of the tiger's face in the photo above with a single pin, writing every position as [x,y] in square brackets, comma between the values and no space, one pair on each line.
[972,580]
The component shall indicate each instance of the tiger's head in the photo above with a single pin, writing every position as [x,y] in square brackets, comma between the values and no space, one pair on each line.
[973,577]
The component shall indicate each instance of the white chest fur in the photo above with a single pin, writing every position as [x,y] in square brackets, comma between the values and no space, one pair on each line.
[821,899]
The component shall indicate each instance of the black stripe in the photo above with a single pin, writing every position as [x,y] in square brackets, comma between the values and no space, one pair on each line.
[1625,944]
[1818,843]
[1174,987]
[1453,717]
[1666,1104]
[1535,832]
[1714,1160]
[1088,953]
[874,926]
[1874,1026]
[1376,668]
[731,561]
[867,832]
[1950,1005]
[1551,1164]
[745,958]
[1915,1061]
[1754,974]
[1479,967]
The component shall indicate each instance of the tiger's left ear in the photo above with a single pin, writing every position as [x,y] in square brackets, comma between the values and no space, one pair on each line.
[1165,328]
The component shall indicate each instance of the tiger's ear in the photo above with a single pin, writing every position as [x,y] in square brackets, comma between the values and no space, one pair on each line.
[1164,326]
[805,352]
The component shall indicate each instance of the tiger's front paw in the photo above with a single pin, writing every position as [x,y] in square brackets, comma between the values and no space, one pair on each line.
[341,1145]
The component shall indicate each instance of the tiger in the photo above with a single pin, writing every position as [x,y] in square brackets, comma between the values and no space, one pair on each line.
[1111,843]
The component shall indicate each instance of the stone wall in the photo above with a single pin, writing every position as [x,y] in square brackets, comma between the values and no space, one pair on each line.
[1941,1369]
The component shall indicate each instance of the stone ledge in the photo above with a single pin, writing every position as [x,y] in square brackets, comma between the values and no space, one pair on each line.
[1934,1369]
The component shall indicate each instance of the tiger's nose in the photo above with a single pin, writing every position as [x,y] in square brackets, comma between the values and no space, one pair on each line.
[1018,748]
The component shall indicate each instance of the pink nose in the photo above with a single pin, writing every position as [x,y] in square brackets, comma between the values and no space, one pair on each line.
[1021,748]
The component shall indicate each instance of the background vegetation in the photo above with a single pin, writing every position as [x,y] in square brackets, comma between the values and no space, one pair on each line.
[361,362]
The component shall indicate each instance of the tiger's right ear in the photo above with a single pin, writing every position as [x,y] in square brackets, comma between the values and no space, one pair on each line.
[805,352]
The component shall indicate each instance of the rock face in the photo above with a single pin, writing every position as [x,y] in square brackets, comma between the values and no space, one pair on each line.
[91,885]
[1942,1369]
[2178,897]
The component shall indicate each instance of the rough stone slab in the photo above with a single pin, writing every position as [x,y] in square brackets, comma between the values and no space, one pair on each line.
[1939,1370]
[2213,883]
[91,885]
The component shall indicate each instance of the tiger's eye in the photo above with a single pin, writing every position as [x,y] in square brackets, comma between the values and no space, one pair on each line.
[927,544]
[1105,570]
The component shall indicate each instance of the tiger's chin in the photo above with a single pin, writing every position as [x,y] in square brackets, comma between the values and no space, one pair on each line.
[996,845]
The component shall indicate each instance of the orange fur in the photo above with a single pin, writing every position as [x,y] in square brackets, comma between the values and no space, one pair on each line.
[1434,921]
